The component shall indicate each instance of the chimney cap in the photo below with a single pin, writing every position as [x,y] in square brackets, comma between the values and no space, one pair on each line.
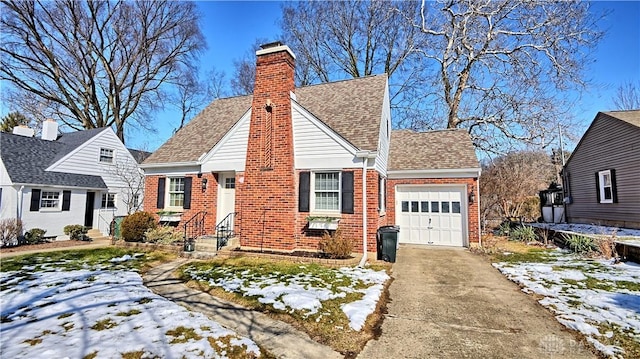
[274,47]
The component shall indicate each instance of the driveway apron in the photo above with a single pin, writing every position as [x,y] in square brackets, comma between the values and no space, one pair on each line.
[449,303]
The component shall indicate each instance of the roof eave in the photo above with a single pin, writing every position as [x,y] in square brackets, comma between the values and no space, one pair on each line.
[170,164]
[471,172]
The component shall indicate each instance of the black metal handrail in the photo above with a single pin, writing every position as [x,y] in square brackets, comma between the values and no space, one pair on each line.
[224,230]
[194,227]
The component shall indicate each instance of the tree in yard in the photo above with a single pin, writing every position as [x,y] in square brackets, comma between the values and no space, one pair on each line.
[131,180]
[503,70]
[507,182]
[627,96]
[11,120]
[97,63]
[245,70]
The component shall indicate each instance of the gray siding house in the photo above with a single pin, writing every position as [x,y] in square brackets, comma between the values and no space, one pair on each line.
[602,176]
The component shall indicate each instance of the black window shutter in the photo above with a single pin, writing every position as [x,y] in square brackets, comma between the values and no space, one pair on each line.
[66,200]
[304,188]
[160,201]
[35,200]
[598,186]
[614,187]
[347,192]
[187,193]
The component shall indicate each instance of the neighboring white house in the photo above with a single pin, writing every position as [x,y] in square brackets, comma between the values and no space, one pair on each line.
[84,177]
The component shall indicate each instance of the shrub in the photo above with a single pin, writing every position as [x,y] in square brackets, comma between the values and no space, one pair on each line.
[164,235]
[580,244]
[523,234]
[335,246]
[76,232]
[10,231]
[135,225]
[35,235]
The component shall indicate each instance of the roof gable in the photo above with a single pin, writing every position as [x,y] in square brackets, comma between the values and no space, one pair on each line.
[631,117]
[351,108]
[27,158]
[444,149]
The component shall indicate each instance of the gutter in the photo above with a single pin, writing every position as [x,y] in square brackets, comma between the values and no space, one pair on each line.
[365,156]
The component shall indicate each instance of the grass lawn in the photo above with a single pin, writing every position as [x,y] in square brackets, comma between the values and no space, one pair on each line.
[596,297]
[339,307]
[92,304]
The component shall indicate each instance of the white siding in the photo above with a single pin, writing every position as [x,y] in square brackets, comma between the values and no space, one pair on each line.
[230,153]
[120,177]
[54,221]
[8,202]
[317,146]
[86,160]
[382,158]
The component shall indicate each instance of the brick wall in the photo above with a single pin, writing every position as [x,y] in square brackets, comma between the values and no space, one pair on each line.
[201,200]
[473,211]
[268,193]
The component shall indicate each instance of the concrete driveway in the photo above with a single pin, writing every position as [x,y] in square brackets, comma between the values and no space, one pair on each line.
[449,303]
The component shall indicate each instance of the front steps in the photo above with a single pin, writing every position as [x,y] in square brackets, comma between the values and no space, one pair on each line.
[96,235]
[206,247]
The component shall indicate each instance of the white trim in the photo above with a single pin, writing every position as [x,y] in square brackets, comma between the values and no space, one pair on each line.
[41,185]
[270,50]
[435,173]
[601,186]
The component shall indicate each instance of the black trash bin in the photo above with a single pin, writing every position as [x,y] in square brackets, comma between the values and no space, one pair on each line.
[387,243]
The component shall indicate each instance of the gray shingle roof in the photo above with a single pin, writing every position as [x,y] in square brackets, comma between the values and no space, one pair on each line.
[26,158]
[352,108]
[444,149]
[630,116]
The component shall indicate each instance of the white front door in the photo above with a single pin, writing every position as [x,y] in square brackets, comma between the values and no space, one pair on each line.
[433,215]
[226,196]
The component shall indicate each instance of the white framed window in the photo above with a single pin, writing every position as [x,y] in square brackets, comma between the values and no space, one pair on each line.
[176,192]
[50,200]
[382,195]
[326,191]
[106,155]
[108,200]
[605,186]
[135,200]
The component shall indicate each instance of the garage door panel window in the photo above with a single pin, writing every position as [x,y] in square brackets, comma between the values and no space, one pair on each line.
[405,206]
[414,206]
[424,206]
[455,207]
[435,207]
[445,207]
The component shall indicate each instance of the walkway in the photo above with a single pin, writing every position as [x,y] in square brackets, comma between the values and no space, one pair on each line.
[449,303]
[281,339]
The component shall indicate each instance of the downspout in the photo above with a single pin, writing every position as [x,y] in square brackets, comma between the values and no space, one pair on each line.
[365,156]
[19,203]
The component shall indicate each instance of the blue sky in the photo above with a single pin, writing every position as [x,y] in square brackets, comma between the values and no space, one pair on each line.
[232,27]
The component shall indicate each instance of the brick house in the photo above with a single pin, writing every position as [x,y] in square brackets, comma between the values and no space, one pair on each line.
[290,162]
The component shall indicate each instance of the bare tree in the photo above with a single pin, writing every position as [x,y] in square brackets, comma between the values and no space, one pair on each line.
[503,69]
[627,96]
[510,180]
[131,180]
[244,75]
[97,63]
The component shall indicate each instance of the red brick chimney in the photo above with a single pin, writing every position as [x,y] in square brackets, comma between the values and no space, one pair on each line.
[268,198]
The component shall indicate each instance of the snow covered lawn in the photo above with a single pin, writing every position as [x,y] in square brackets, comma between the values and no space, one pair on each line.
[595,297]
[304,291]
[75,308]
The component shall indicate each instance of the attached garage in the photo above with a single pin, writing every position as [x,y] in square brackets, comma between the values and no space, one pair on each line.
[432,214]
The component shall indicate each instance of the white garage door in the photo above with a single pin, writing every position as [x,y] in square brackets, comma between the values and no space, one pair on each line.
[431,215]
